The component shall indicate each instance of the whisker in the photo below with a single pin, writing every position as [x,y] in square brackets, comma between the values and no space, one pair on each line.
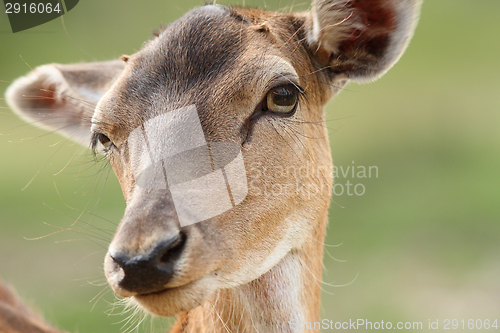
[87,212]
[281,136]
[25,62]
[40,169]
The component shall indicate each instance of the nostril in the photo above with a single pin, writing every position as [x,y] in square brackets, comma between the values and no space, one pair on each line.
[120,259]
[150,272]
[173,251]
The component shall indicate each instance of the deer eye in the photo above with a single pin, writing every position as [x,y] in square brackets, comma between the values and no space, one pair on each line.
[104,140]
[282,99]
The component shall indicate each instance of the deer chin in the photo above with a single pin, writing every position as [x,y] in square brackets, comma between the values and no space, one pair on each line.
[172,301]
[177,296]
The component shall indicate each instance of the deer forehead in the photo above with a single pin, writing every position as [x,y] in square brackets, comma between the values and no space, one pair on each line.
[211,58]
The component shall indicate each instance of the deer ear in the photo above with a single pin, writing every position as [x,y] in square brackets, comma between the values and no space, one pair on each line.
[361,39]
[62,98]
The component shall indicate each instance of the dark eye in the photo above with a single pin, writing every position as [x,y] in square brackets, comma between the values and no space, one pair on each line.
[104,140]
[282,99]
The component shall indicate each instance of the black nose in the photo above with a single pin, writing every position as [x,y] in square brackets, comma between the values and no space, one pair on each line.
[149,273]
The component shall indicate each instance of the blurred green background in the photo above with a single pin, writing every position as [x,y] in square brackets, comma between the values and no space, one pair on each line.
[422,243]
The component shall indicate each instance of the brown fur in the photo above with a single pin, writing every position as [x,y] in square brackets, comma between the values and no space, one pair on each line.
[257,267]
[15,317]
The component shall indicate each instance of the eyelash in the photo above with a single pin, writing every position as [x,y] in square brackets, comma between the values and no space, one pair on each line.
[299,91]
[99,137]
[260,111]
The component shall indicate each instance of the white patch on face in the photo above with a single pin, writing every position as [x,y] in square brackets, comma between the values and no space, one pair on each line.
[295,234]
[283,289]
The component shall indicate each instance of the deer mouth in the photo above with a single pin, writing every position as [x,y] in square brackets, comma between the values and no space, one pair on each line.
[164,290]
[174,300]
[188,286]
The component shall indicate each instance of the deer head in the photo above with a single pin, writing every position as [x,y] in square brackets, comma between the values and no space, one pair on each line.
[230,99]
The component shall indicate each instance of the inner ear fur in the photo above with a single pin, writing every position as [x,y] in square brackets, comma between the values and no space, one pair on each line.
[62,98]
[360,39]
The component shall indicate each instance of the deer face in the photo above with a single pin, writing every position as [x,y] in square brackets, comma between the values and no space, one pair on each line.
[217,86]
[251,89]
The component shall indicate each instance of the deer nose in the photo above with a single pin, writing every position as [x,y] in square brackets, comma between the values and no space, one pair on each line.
[150,272]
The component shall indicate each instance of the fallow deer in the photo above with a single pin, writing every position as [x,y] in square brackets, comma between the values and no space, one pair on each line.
[258,82]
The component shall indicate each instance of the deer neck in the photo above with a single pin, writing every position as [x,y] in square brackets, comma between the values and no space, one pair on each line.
[281,300]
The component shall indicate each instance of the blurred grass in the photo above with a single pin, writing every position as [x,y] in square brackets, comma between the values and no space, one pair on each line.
[421,243]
